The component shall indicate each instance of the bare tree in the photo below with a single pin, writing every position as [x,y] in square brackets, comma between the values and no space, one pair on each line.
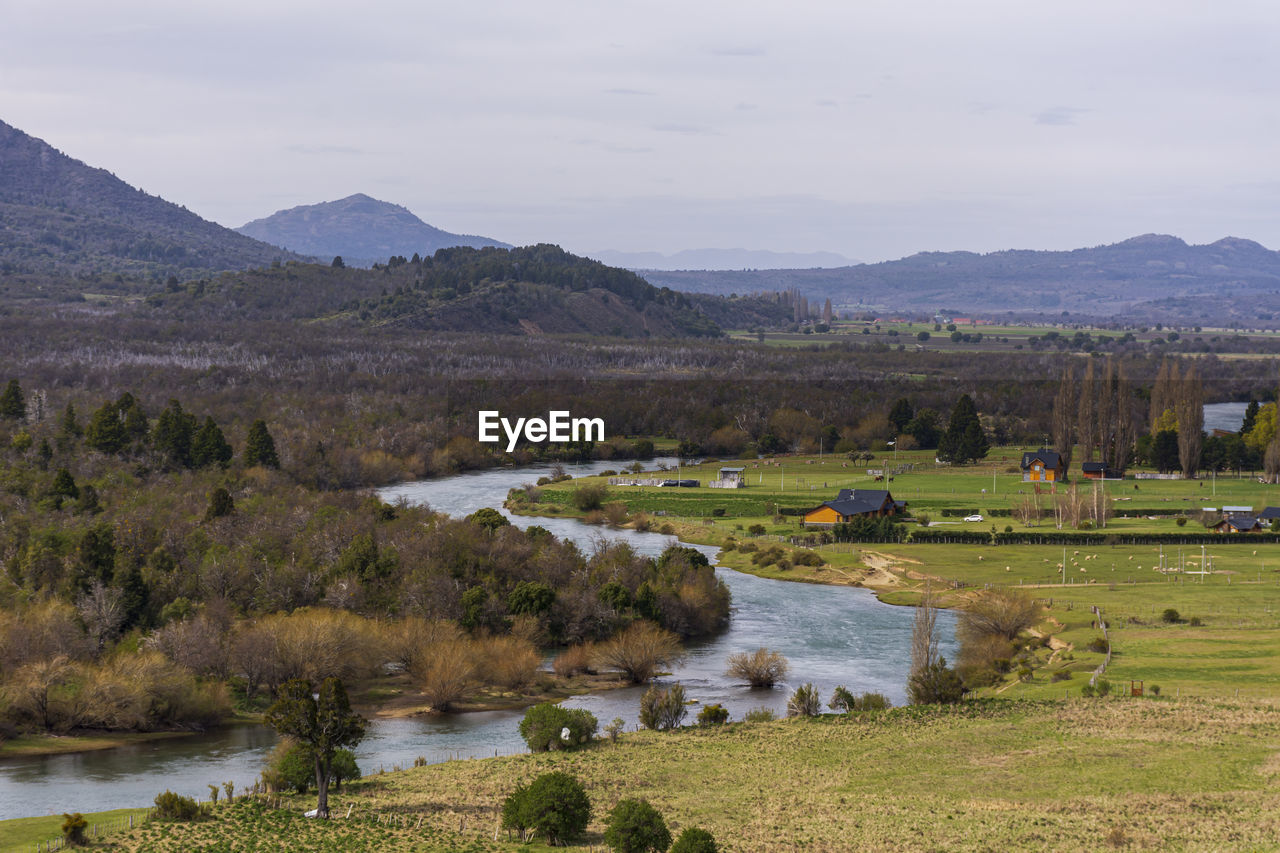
[761,668]
[1190,413]
[1064,416]
[1087,414]
[639,651]
[102,612]
[924,634]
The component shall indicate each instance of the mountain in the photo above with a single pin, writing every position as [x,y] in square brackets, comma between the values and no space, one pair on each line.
[1153,277]
[532,290]
[59,216]
[721,259]
[360,229]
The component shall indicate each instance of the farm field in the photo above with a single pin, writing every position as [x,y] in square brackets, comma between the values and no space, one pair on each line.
[1083,774]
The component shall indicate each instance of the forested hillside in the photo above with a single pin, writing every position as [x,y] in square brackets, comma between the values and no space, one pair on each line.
[59,216]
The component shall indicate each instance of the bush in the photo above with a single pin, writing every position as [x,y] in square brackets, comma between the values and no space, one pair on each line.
[555,805]
[760,715]
[639,651]
[843,700]
[543,727]
[1102,687]
[997,613]
[1087,691]
[805,702]
[636,827]
[1060,675]
[1170,616]
[573,660]
[290,767]
[73,827]
[936,684]
[1195,622]
[171,806]
[718,512]
[694,840]
[1155,689]
[662,710]
[588,498]
[1181,521]
[614,729]
[761,668]
[756,529]
[713,715]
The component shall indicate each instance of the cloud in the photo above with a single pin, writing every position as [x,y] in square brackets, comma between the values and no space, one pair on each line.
[628,92]
[738,50]
[302,148]
[686,129]
[1059,116]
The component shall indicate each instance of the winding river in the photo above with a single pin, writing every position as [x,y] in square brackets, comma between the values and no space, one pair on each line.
[830,635]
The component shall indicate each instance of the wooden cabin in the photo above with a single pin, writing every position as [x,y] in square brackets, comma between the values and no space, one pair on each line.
[1238,524]
[1043,466]
[1098,471]
[853,503]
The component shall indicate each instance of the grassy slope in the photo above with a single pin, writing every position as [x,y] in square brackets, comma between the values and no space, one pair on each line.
[22,834]
[1064,776]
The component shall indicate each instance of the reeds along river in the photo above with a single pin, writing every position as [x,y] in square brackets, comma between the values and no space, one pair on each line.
[830,635]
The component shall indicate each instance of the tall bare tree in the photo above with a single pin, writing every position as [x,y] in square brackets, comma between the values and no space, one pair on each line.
[1064,416]
[924,634]
[1163,394]
[1087,414]
[1189,409]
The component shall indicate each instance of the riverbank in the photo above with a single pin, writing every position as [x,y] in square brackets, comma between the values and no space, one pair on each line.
[35,745]
[1083,774]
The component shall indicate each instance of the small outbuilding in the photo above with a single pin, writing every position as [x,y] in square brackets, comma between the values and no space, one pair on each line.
[1098,471]
[1043,466]
[730,478]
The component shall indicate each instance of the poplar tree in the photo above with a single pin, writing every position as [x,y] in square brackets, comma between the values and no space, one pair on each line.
[1064,416]
[1087,414]
[1190,413]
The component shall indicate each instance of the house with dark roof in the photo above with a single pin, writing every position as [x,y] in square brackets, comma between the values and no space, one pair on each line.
[1238,524]
[853,503]
[1043,466]
[1269,515]
[1098,471]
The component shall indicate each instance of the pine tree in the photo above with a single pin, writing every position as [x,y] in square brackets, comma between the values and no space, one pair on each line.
[1250,415]
[210,446]
[69,425]
[105,432]
[260,448]
[173,435]
[133,418]
[901,414]
[12,404]
[958,438]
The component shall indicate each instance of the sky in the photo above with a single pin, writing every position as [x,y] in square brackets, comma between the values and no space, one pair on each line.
[870,129]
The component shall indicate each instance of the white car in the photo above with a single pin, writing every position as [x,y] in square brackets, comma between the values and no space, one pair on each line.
[973,518]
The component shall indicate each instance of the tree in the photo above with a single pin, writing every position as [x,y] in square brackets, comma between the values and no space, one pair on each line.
[964,440]
[804,702]
[761,669]
[555,804]
[220,504]
[64,486]
[695,840]
[1250,415]
[1087,415]
[12,404]
[1065,412]
[974,444]
[937,684]
[902,413]
[174,433]
[1190,411]
[210,447]
[338,263]
[549,726]
[323,722]
[73,827]
[997,612]
[69,425]
[260,448]
[924,634]
[105,432]
[636,827]
[1164,451]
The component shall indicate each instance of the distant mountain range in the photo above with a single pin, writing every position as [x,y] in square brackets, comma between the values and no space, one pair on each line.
[1151,278]
[58,216]
[721,259]
[359,229]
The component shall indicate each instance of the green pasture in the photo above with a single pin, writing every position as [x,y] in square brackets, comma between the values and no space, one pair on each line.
[21,835]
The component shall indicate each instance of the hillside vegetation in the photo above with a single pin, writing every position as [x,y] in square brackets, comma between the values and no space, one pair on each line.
[59,216]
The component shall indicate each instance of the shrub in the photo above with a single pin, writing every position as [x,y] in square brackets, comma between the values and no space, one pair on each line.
[661,709]
[713,715]
[936,684]
[343,769]
[636,827]
[1087,691]
[73,827]
[1195,622]
[614,729]
[1098,644]
[290,767]
[639,651]
[760,715]
[1155,689]
[616,512]
[756,529]
[1181,521]
[805,702]
[873,702]
[718,512]
[1024,673]
[543,727]
[1060,675]
[695,840]
[1102,687]
[589,497]
[761,668]
[508,662]
[171,806]
[573,660]
[997,613]
[554,805]
[1170,616]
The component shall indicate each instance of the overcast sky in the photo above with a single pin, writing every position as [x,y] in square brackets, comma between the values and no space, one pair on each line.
[872,129]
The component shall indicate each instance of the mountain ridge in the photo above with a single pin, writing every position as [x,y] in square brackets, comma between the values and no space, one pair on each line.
[362,230]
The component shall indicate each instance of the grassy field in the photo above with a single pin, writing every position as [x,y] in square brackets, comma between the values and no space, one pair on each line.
[22,834]
[1085,774]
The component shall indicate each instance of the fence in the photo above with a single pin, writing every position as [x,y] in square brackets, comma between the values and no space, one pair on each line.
[1102,667]
[95,830]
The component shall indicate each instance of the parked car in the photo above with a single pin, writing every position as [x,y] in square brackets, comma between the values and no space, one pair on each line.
[973,518]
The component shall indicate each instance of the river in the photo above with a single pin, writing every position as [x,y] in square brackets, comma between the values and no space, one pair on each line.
[830,635]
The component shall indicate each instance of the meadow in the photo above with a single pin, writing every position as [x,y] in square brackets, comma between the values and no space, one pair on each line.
[1084,774]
